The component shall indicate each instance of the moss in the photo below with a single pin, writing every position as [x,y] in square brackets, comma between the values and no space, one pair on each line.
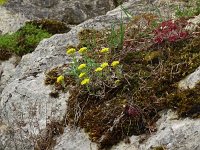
[187,103]
[149,86]
[51,26]
[5,54]
[159,148]
[52,130]
[51,76]
[21,42]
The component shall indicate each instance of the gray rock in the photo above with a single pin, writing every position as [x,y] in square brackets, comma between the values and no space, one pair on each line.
[10,22]
[190,81]
[193,23]
[25,102]
[69,11]
[175,134]
[26,106]
[7,68]
[74,139]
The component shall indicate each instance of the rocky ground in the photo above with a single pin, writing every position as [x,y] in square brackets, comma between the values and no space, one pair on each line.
[25,105]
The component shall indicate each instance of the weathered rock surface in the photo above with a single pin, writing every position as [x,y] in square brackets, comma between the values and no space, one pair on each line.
[191,80]
[10,22]
[26,107]
[69,11]
[7,68]
[175,134]
[172,134]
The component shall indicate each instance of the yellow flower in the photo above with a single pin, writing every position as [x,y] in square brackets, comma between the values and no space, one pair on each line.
[117,81]
[105,50]
[82,74]
[81,66]
[104,65]
[82,50]
[115,63]
[98,69]
[70,51]
[60,79]
[85,81]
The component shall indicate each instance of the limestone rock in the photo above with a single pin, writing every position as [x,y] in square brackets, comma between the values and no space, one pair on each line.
[74,139]
[26,107]
[10,22]
[69,11]
[7,68]
[175,134]
[190,81]
[193,23]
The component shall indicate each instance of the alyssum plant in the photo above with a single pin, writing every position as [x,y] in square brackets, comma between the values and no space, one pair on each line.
[91,74]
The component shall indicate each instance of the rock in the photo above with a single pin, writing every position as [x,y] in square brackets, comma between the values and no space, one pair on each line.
[193,23]
[175,134]
[190,81]
[10,22]
[172,134]
[25,104]
[7,68]
[68,11]
[74,139]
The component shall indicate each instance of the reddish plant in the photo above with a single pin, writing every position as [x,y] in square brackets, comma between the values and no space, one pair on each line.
[171,31]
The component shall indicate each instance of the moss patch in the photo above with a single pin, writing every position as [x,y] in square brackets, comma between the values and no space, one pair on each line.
[51,26]
[21,42]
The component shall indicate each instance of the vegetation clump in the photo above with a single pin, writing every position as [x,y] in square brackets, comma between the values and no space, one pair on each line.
[21,42]
[149,74]
[51,26]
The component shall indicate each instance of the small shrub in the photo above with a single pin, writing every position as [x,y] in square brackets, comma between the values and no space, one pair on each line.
[92,74]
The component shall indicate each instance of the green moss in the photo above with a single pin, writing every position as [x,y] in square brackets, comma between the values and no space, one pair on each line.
[21,42]
[51,26]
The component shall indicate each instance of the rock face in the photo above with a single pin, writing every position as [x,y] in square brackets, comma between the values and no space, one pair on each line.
[26,107]
[10,22]
[191,80]
[69,11]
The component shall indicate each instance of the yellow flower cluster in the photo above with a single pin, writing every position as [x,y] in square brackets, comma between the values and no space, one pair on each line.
[81,66]
[70,51]
[73,50]
[82,50]
[104,65]
[105,50]
[82,74]
[85,81]
[60,79]
[98,69]
[114,63]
